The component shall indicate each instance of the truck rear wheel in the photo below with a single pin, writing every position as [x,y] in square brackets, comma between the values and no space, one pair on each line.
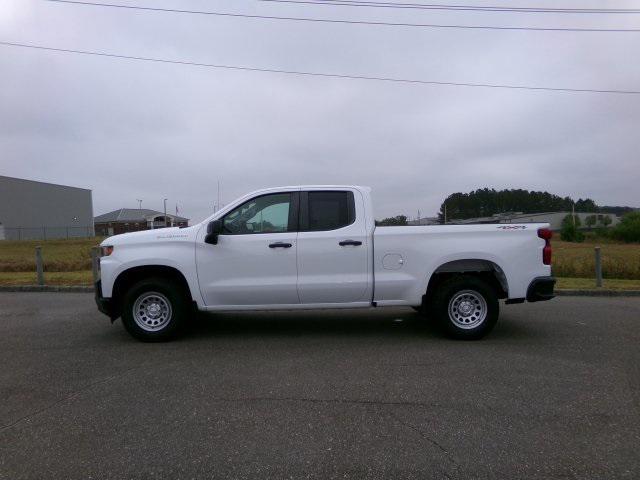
[466,307]
[154,310]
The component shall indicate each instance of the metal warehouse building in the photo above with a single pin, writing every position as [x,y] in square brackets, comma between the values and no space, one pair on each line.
[39,210]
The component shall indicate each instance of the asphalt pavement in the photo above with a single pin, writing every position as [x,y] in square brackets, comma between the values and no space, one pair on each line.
[553,392]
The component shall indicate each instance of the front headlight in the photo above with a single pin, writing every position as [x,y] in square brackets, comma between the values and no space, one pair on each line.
[106,250]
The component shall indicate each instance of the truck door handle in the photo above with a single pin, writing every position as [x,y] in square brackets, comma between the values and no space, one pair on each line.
[355,243]
[280,245]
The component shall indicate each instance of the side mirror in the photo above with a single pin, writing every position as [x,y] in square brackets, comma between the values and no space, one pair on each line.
[213,230]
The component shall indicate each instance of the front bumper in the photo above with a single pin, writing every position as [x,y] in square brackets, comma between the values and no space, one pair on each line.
[105,305]
[540,289]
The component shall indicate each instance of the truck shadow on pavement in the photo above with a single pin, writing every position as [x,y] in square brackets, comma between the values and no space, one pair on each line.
[335,323]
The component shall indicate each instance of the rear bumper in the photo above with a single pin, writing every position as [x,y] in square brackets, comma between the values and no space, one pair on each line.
[105,305]
[540,289]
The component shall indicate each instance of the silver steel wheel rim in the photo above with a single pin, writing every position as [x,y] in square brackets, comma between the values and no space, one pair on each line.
[152,311]
[467,309]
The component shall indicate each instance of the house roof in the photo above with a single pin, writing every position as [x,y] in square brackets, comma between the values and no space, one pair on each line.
[133,215]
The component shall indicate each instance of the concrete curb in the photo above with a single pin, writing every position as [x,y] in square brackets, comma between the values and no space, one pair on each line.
[88,289]
[47,288]
[598,293]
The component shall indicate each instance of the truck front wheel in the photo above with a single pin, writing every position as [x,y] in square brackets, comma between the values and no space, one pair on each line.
[154,310]
[466,307]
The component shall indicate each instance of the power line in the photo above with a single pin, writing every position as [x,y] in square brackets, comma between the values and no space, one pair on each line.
[348,22]
[320,74]
[437,6]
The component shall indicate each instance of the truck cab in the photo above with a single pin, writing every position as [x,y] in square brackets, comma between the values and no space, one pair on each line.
[289,248]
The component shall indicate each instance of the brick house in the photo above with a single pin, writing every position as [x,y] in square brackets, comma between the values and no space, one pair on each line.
[135,219]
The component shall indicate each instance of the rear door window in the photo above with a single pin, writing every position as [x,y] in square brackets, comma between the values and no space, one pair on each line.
[328,210]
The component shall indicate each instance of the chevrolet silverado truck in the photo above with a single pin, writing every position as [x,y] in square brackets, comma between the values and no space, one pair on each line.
[317,247]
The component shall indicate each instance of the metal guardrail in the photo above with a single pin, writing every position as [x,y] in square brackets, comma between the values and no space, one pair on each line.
[39,266]
[95,265]
[598,261]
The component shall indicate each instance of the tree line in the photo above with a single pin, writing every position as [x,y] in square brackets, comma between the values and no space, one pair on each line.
[486,202]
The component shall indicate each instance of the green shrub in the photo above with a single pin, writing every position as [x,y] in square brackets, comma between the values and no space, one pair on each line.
[602,233]
[628,230]
[569,231]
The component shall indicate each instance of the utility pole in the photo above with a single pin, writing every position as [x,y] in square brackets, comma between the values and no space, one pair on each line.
[139,203]
[445,213]
[573,214]
[218,202]
[165,213]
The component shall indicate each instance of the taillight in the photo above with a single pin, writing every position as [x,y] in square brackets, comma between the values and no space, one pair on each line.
[546,235]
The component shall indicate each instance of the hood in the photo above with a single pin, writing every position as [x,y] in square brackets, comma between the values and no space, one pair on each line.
[147,235]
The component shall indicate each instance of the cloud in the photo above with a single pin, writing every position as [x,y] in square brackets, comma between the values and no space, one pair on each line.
[133,130]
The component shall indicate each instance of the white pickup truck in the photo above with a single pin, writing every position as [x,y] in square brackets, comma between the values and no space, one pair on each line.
[315,247]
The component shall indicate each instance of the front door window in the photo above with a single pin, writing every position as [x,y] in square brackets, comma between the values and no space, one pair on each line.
[265,214]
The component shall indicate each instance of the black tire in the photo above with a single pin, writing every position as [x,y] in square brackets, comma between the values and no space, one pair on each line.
[473,297]
[156,292]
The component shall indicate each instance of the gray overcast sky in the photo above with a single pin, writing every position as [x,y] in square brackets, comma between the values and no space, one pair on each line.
[130,129]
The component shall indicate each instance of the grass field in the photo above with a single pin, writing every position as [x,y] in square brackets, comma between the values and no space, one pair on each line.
[69,262]
[58,255]
[82,277]
[577,260]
